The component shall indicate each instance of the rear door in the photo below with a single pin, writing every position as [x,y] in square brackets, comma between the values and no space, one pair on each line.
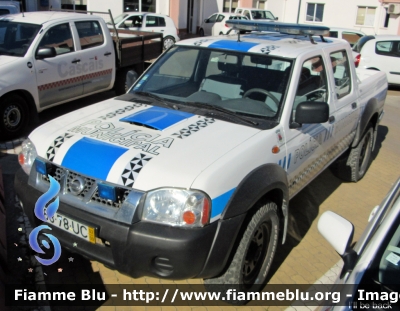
[96,66]
[154,23]
[387,59]
[57,77]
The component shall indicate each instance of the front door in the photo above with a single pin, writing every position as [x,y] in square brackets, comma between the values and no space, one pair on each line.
[57,76]
[309,145]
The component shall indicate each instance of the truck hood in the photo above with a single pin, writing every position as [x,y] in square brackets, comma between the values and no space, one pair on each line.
[6,59]
[138,145]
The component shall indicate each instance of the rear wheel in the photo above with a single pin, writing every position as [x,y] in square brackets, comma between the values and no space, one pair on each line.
[14,116]
[354,165]
[252,260]
[124,79]
[168,42]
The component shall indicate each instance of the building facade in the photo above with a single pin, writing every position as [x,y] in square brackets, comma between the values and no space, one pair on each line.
[369,16]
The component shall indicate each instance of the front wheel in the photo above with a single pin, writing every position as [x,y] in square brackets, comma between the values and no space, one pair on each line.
[14,116]
[252,260]
[168,42]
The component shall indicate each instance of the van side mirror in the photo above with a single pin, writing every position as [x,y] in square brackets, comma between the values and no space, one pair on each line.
[46,53]
[276,18]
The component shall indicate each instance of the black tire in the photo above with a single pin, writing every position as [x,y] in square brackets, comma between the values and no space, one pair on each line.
[201,32]
[123,80]
[252,260]
[13,116]
[168,41]
[355,163]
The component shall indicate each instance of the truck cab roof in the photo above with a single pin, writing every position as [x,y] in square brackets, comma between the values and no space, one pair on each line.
[41,18]
[276,44]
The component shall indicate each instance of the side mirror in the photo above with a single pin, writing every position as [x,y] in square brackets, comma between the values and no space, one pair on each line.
[276,18]
[46,53]
[310,112]
[206,20]
[128,23]
[338,231]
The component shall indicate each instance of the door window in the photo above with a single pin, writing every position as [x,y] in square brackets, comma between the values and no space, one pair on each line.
[212,19]
[312,82]
[155,21]
[90,34]
[220,18]
[341,73]
[59,37]
[388,48]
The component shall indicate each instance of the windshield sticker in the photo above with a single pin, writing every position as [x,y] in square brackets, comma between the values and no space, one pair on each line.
[193,128]
[51,152]
[132,169]
[136,139]
[122,110]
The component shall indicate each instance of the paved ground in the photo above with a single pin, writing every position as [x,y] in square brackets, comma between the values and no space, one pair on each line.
[306,258]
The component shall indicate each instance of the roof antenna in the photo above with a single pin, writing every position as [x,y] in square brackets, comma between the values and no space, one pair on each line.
[22,8]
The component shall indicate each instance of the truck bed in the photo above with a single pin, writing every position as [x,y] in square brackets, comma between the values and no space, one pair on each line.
[134,47]
[371,83]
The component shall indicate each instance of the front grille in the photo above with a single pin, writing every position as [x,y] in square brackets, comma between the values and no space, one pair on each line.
[89,182]
[89,193]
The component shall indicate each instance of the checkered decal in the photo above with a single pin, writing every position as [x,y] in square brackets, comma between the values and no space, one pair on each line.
[133,168]
[51,152]
[89,76]
[121,111]
[193,128]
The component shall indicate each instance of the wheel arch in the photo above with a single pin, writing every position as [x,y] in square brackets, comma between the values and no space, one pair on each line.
[370,115]
[267,182]
[29,100]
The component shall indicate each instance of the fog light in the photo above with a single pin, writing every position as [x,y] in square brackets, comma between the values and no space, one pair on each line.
[107,192]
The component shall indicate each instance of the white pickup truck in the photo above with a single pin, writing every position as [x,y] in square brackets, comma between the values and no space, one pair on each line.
[49,58]
[190,174]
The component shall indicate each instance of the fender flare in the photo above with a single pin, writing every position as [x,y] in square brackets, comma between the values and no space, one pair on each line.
[371,108]
[268,179]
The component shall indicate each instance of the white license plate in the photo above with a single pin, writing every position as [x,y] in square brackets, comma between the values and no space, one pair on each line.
[72,226]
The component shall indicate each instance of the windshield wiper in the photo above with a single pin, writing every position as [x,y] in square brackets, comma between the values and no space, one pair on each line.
[158,98]
[221,109]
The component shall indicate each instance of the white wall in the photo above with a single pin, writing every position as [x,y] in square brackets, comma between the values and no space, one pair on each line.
[337,13]
[162,7]
[103,5]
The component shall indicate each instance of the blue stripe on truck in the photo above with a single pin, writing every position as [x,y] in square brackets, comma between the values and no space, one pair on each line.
[92,158]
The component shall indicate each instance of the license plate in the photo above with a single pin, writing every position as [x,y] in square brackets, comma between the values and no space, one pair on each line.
[72,226]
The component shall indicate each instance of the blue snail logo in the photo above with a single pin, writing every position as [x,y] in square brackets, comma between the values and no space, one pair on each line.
[40,208]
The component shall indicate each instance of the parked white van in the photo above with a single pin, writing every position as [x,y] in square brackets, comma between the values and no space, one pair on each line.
[348,34]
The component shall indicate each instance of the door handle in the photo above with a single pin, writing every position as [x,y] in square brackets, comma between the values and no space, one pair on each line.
[331,119]
[354,105]
[76,61]
[107,53]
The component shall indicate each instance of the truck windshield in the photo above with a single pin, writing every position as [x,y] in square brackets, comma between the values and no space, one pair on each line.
[16,38]
[248,84]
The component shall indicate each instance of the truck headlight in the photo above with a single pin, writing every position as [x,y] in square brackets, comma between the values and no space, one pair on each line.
[177,207]
[27,156]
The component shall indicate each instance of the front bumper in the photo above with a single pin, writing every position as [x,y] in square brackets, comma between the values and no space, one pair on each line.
[138,249]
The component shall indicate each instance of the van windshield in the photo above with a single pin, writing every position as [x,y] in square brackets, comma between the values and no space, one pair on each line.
[248,84]
[16,38]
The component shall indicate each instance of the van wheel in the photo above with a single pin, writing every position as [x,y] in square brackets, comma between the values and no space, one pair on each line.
[14,116]
[252,260]
[168,42]
[354,165]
